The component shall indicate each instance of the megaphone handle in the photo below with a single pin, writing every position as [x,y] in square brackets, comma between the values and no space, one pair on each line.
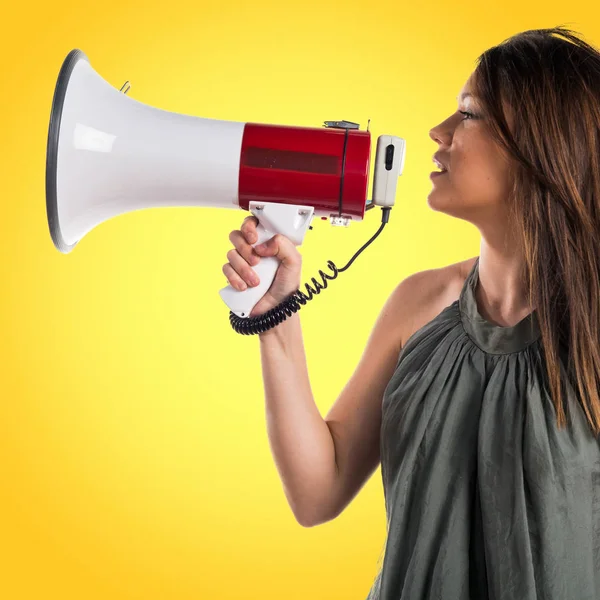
[291,221]
[242,302]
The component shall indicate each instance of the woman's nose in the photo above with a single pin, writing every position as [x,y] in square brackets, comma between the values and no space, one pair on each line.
[442,133]
[433,134]
[436,134]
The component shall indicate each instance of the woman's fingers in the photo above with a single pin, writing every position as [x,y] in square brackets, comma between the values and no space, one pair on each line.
[242,268]
[234,279]
[239,242]
[242,256]
[248,229]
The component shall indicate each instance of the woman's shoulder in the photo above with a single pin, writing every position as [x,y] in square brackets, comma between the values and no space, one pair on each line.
[438,284]
[431,291]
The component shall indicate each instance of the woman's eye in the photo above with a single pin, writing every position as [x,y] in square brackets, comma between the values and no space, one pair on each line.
[466,114]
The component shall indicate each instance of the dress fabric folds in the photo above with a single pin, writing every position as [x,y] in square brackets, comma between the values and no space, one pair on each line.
[485,497]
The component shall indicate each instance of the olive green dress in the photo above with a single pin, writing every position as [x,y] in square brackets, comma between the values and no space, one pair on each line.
[485,497]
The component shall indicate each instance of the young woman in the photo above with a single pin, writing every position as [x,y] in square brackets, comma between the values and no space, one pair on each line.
[478,388]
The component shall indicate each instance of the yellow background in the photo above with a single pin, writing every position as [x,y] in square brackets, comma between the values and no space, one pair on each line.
[134,459]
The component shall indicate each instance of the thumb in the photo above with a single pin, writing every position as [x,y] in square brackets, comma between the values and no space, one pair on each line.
[277,246]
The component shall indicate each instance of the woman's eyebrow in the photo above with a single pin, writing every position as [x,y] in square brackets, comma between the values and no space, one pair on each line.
[464,95]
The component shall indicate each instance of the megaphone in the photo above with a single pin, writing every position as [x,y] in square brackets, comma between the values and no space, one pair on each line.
[109,154]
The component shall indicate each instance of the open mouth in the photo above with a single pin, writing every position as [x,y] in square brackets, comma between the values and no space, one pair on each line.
[436,173]
[439,165]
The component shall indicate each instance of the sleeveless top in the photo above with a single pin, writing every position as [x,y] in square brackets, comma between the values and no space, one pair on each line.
[485,497]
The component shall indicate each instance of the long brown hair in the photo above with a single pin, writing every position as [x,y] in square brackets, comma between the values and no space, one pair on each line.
[547,82]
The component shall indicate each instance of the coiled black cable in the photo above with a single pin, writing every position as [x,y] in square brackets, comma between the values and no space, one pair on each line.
[293,303]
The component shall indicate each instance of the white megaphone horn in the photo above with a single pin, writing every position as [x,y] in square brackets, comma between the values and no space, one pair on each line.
[109,154]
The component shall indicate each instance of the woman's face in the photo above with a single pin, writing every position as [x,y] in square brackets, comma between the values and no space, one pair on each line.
[476,183]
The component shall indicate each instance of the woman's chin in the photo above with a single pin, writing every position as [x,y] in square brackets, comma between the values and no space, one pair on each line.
[436,200]
[444,203]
